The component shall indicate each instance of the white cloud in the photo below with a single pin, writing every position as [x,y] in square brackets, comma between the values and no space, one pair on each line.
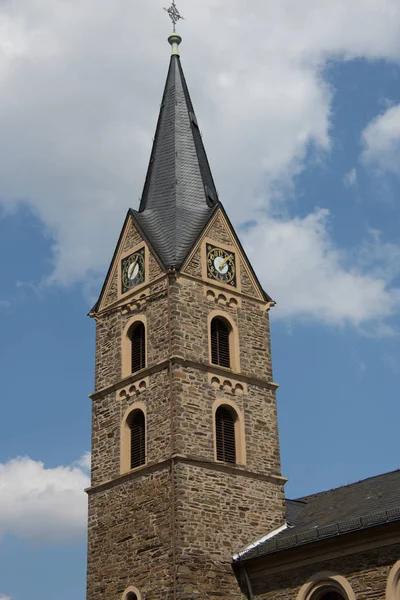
[381,140]
[310,277]
[80,86]
[2,597]
[42,504]
[85,461]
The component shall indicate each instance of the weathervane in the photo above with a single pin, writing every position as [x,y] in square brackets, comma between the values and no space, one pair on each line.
[174,14]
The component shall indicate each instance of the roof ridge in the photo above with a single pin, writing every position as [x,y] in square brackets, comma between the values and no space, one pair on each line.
[305,498]
[316,533]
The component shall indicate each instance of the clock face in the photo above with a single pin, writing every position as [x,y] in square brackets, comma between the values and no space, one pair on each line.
[132,270]
[221,265]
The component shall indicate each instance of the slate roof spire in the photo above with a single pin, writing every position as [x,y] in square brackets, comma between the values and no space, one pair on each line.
[179,194]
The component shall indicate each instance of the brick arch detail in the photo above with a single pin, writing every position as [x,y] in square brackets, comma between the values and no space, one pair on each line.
[131,590]
[393,583]
[329,581]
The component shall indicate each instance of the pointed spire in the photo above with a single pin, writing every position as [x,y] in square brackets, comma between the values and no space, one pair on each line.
[179,194]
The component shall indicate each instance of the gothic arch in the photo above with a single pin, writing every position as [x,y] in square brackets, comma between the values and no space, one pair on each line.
[325,582]
[125,436]
[240,443]
[393,583]
[126,342]
[233,338]
[130,593]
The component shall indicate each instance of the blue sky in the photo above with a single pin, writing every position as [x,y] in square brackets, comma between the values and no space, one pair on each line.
[302,128]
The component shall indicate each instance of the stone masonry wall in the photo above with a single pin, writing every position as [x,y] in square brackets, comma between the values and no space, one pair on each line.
[194,429]
[110,327]
[367,572]
[108,349]
[194,266]
[219,232]
[130,539]
[190,310]
[108,411]
[218,513]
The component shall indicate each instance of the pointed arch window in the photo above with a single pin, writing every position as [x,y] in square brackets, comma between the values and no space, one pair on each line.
[138,346]
[220,342]
[137,426]
[225,419]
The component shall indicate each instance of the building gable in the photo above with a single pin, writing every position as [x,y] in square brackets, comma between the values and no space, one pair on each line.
[130,241]
[219,232]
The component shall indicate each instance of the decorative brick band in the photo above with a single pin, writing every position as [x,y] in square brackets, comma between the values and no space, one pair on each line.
[227,384]
[135,305]
[222,298]
[134,389]
[220,372]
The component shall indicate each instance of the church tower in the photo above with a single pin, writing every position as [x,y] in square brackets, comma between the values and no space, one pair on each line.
[185,449]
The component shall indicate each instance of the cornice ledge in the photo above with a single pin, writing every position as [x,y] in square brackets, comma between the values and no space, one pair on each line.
[223,372]
[179,360]
[267,305]
[240,470]
[135,474]
[115,387]
[132,297]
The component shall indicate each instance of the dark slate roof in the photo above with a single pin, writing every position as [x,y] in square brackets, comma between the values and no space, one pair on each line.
[367,503]
[179,194]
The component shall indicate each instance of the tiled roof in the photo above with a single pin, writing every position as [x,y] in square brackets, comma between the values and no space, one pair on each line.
[360,505]
[179,194]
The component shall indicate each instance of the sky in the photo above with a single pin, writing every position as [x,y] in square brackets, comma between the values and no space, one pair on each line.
[299,106]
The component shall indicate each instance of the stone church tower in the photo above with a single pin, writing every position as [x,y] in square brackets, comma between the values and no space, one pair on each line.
[185,449]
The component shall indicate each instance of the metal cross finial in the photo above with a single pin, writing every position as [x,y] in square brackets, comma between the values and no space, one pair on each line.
[174,14]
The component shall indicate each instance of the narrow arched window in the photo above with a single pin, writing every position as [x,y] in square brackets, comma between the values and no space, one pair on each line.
[225,434]
[137,426]
[131,596]
[138,341]
[220,334]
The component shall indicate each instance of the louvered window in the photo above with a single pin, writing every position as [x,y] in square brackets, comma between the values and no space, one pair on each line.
[220,332]
[225,432]
[138,339]
[332,596]
[138,439]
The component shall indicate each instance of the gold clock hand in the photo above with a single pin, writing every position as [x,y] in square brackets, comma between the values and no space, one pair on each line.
[132,267]
[221,265]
